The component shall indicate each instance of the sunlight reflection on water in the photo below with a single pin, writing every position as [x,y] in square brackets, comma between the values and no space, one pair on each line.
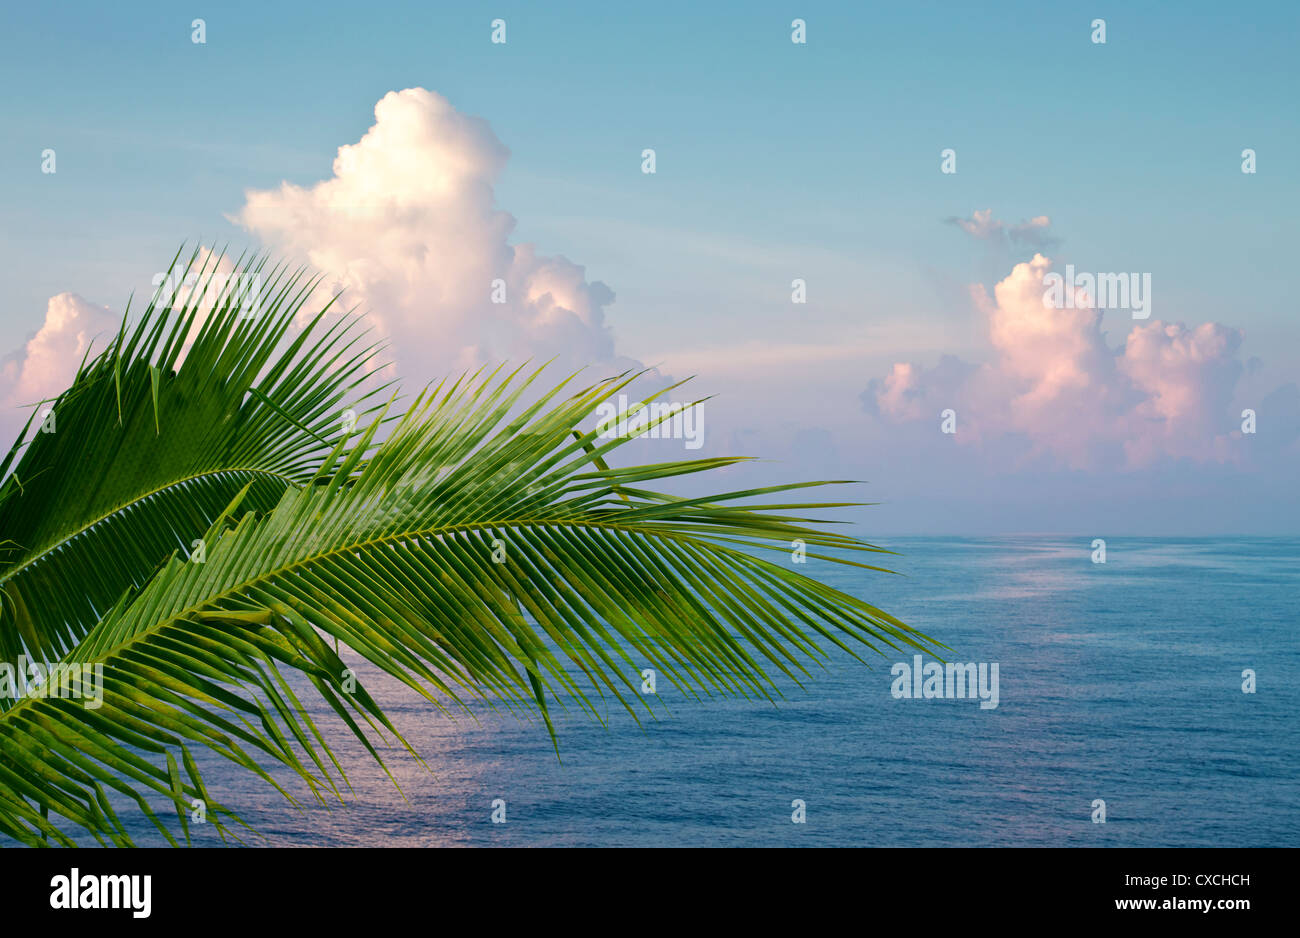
[1119,681]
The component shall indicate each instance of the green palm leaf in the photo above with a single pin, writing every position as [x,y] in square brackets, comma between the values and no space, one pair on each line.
[484,550]
[153,439]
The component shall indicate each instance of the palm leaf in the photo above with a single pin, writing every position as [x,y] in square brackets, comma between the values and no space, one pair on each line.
[153,439]
[392,556]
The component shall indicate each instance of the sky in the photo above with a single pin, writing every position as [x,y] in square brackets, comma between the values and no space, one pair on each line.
[413,161]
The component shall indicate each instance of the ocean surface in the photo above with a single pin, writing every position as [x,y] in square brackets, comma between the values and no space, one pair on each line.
[1119,681]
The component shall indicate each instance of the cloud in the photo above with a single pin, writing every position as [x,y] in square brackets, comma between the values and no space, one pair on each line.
[1187,377]
[909,392]
[408,227]
[1054,383]
[983,226]
[46,364]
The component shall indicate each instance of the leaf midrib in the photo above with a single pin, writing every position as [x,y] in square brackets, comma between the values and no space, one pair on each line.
[211,598]
[125,506]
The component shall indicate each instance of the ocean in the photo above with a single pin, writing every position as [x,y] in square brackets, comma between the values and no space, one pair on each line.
[1118,682]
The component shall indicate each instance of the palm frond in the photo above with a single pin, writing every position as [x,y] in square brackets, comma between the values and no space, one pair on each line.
[157,433]
[484,550]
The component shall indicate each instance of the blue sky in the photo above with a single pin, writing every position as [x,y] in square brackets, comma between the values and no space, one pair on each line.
[775,161]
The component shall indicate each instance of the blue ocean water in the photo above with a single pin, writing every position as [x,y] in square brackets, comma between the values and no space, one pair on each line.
[1119,681]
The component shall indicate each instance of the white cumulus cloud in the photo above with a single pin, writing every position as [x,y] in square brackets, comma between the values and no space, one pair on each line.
[408,228]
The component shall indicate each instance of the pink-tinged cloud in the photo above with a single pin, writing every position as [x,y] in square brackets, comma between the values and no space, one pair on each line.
[1036,232]
[408,227]
[1187,377]
[46,364]
[1052,380]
